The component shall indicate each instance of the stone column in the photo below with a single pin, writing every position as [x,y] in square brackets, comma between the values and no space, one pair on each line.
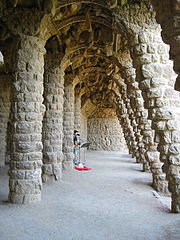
[126,126]
[53,119]
[27,113]
[77,111]
[154,70]
[68,124]
[167,14]
[5,104]
[137,134]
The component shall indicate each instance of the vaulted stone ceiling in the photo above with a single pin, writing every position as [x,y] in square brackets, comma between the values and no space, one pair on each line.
[87,35]
[88,38]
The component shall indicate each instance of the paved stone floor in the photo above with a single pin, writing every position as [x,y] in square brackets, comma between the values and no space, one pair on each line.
[114,201]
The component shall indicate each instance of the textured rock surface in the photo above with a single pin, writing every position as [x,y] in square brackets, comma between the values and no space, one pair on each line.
[5,104]
[27,115]
[105,134]
[68,124]
[53,119]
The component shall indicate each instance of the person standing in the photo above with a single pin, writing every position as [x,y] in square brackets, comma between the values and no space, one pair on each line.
[76,142]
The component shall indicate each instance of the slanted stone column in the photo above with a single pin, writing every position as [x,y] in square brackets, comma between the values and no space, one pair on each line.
[77,111]
[150,155]
[68,123]
[53,118]
[126,126]
[154,71]
[27,113]
[131,117]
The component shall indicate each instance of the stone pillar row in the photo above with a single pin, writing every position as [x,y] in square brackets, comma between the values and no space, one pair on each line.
[150,58]
[53,118]
[151,158]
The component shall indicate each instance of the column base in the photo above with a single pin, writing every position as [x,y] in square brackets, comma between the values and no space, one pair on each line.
[175,204]
[24,198]
[68,165]
[51,172]
[68,161]
[161,186]
[146,167]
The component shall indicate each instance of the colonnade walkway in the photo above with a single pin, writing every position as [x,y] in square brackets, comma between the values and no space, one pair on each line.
[113,201]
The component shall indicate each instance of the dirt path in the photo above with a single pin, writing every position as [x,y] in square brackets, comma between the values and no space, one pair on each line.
[114,201]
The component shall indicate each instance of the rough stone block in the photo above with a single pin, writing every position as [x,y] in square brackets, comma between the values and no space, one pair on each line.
[163,49]
[140,49]
[158,82]
[47,169]
[25,147]
[152,70]
[153,156]
[152,48]
[161,102]
[35,156]
[155,58]
[33,174]
[145,84]
[155,93]
[145,37]
[164,114]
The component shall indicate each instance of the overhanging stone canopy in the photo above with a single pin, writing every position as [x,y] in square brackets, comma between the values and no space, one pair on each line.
[60,55]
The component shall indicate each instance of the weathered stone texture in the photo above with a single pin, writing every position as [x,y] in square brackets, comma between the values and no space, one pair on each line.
[5,104]
[53,120]
[77,112]
[83,129]
[167,14]
[148,153]
[27,115]
[68,124]
[127,128]
[105,134]
[159,107]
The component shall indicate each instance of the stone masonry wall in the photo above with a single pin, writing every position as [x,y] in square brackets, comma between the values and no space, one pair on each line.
[105,134]
[5,104]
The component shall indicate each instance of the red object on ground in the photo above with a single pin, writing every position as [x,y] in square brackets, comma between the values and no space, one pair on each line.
[82,169]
